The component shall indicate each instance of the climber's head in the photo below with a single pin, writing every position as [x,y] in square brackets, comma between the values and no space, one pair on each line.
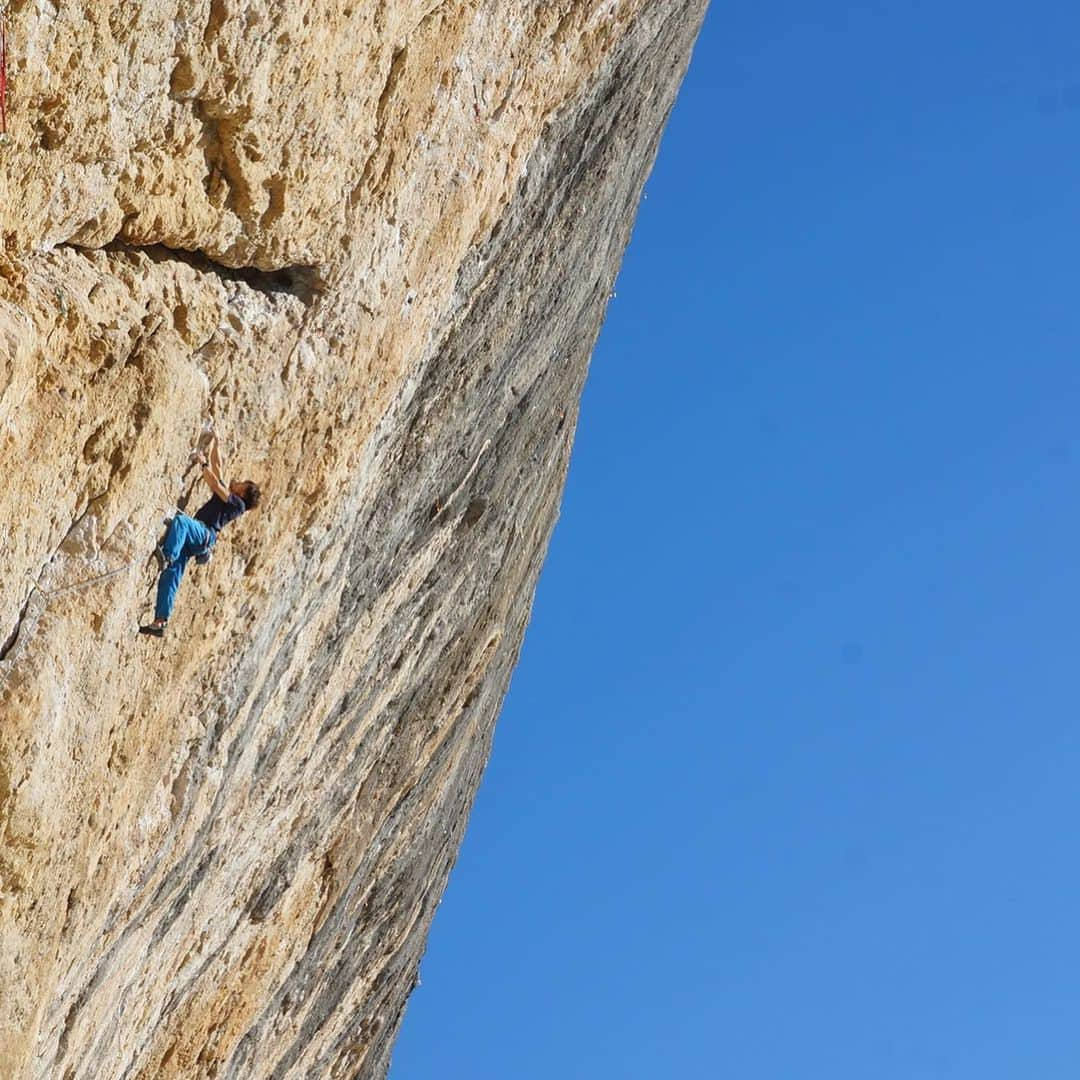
[248,490]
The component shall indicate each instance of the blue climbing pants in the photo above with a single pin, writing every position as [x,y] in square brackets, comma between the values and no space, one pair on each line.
[186,537]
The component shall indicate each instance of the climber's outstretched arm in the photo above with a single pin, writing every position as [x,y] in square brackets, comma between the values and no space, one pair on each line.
[212,476]
[215,459]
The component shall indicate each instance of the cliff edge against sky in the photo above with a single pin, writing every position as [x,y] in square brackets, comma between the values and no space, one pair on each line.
[374,242]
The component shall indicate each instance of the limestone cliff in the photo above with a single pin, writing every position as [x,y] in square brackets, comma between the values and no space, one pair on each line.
[373,241]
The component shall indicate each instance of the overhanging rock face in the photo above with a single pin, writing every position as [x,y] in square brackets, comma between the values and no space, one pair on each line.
[375,242]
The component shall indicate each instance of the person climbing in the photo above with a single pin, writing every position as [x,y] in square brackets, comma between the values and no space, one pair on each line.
[189,537]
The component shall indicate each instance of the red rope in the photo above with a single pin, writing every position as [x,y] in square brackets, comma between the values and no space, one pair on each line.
[3,70]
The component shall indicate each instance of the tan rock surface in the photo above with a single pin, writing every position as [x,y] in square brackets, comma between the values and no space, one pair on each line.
[374,241]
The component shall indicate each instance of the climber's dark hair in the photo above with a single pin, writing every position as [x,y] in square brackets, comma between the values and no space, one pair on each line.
[251,495]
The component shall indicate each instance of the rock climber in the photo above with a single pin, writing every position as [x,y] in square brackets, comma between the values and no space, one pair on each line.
[189,537]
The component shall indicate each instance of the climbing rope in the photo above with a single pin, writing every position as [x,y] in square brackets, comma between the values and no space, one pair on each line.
[53,594]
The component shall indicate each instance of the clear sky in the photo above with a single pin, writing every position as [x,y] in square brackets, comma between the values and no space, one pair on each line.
[786,786]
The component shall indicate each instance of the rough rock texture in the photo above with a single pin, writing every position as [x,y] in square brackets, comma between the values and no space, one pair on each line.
[375,241]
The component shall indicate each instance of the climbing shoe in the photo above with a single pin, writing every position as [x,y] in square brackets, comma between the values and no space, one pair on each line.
[153,631]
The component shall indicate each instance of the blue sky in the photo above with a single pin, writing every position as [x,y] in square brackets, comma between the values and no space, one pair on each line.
[785,785]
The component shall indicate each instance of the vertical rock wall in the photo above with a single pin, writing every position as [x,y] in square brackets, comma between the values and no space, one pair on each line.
[374,241]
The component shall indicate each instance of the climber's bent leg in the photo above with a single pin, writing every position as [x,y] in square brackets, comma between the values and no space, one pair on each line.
[179,533]
[186,537]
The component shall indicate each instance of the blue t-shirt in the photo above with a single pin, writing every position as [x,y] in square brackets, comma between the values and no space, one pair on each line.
[216,513]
